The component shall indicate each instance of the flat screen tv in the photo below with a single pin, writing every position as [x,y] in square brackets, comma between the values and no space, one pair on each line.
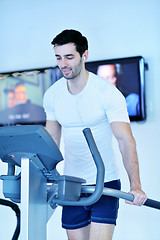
[21,92]
[127,74]
[21,95]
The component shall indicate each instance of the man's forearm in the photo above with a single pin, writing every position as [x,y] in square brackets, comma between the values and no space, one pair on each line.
[127,146]
[130,160]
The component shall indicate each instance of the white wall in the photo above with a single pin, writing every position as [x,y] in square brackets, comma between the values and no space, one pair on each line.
[114,29]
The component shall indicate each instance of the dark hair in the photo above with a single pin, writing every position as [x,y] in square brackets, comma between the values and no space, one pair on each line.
[72,36]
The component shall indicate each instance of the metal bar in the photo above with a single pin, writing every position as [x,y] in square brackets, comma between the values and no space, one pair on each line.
[33,202]
[99,178]
[120,194]
[109,192]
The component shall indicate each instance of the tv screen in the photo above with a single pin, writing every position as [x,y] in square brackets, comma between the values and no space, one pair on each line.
[127,74]
[21,92]
[21,95]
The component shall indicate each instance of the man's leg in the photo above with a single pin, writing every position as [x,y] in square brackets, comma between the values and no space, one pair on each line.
[79,234]
[101,231]
[94,231]
[102,216]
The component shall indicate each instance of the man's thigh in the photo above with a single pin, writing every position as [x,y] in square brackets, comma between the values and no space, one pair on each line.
[93,231]
[101,231]
[79,234]
[105,210]
[75,217]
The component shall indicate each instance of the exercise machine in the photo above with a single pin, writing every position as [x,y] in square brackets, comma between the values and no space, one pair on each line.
[39,188]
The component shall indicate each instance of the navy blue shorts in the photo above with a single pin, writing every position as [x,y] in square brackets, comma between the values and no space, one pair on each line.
[105,210]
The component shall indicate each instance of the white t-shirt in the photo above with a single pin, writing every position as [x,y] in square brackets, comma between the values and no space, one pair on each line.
[95,107]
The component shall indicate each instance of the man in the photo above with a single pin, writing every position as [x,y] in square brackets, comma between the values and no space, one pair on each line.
[82,99]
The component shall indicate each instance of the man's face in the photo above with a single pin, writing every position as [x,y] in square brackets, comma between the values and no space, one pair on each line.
[68,60]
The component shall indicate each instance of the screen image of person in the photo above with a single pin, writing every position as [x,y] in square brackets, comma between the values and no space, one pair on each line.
[109,72]
[82,99]
[19,108]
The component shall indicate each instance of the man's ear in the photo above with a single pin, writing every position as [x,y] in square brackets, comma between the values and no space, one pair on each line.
[85,56]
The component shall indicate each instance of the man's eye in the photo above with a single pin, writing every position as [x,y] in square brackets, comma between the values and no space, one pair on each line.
[70,58]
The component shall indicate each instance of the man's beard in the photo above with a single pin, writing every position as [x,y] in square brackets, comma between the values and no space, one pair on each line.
[74,72]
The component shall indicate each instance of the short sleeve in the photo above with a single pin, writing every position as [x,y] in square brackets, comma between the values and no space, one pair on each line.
[116,110]
[48,105]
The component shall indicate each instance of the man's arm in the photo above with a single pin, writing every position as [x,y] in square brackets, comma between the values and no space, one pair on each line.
[127,146]
[54,129]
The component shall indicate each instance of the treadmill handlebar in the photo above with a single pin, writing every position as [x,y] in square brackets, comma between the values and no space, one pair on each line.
[99,178]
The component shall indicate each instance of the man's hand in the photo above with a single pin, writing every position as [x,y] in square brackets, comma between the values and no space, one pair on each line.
[139,197]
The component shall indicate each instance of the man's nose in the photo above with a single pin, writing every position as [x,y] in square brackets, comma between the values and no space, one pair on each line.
[64,63]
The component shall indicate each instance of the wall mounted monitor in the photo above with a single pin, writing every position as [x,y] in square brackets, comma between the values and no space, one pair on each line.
[127,74]
[21,95]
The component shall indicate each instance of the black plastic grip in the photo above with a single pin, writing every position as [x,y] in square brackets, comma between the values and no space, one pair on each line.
[152,203]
